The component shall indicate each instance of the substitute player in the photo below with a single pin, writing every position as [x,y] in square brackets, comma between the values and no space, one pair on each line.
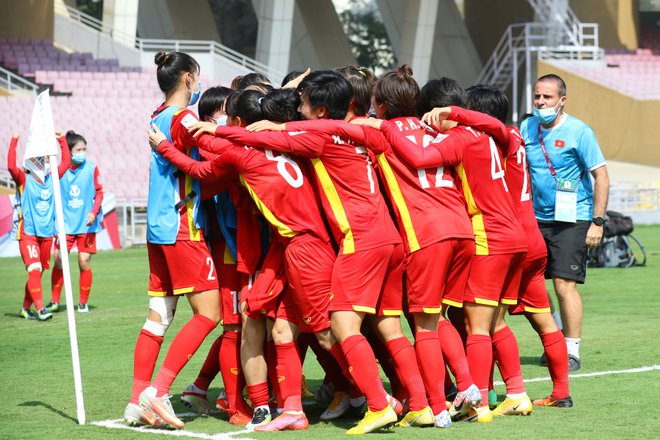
[179,260]
[37,224]
[82,195]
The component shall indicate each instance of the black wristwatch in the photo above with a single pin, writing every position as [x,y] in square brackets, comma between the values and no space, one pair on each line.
[598,221]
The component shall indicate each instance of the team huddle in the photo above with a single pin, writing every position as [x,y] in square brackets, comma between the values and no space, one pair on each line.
[297,221]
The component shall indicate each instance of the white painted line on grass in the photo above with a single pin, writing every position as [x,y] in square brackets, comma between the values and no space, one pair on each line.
[595,373]
[120,424]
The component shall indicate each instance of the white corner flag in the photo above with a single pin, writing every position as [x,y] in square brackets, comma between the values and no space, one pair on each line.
[42,143]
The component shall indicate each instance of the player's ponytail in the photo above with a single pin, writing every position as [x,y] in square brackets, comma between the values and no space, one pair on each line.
[245,104]
[362,81]
[399,90]
[170,68]
[72,138]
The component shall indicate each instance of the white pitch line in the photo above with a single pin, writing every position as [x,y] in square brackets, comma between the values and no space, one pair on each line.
[119,423]
[596,373]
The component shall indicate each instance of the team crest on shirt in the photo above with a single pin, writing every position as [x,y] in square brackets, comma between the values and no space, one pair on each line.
[43,205]
[76,201]
[74,191]
[188,120]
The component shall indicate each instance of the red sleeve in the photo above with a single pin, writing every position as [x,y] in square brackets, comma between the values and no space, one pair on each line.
[304,143]
[66,156]
[329,126]
[207,155]
[483,122]
[191,167]
[181,138]
[212,144]
[98,198]
[375,140]
[16,173]
[445,149]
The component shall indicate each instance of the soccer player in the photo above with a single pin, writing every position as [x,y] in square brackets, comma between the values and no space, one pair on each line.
[179,261]
[82,195]
[533,297]
[435,228]
[283,193]
[367,276]
[500,244]
[37,224]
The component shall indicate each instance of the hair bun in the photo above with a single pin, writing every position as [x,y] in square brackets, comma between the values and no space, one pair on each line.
[70,133]
[160,58]
[405,70]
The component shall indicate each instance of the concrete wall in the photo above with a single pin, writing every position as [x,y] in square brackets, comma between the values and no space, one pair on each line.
[618,20]
[623,125]
[26,18]
[176,19]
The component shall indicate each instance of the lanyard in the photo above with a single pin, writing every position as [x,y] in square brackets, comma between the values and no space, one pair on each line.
[547,158]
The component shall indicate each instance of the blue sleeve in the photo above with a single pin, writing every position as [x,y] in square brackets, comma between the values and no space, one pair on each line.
[589,150]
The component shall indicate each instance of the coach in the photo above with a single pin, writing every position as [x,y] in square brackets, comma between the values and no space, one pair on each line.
[562,152]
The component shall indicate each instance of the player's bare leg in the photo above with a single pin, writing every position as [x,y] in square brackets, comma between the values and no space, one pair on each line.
[255,369]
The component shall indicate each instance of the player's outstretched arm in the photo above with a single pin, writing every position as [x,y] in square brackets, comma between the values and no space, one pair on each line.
[308,144]
[480,121]
[159,143]
[16,173]
[66,154]
[443,150]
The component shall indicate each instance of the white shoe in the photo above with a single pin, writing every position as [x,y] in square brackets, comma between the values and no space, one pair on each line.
[160,406]
[136,415]
[83,308]
[465,401]
[338,407]
[442,420]
[195,399]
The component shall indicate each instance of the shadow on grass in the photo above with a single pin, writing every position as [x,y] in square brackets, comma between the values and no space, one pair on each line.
[49,407]
[530,360]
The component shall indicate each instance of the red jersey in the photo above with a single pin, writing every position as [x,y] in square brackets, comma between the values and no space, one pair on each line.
[479,166]
[345,179]
[516,173]
[277,184]
[428,206]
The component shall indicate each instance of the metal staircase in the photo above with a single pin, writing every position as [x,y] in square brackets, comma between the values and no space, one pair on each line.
[557,34]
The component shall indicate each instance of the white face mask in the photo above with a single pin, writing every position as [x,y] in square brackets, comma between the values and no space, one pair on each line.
[547,115]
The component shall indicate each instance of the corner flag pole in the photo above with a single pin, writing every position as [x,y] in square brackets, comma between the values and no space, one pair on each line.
[40,143]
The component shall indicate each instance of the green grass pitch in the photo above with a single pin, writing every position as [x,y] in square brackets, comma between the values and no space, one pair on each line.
[621,331]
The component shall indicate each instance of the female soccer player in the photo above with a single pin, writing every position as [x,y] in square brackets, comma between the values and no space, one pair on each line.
[37,225]
[82,195]
[179,260]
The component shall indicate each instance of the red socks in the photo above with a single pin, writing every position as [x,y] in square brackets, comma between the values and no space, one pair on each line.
[480,357]
[432,368]
[557,357]
[183,347]
[271,363]
[210,367]
[146,352]
[27,299]
[230,369]
[85,283]
[405,365]
[363,369]
[454,354]
[34,287]
[258,394]
[508,360]
[289,376]
[56,282]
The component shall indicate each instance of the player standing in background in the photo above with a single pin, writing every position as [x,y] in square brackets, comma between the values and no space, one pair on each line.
[82,195]
[179,260]
[37,224]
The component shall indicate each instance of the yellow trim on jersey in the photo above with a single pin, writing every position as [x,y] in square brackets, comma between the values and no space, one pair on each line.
[337,208]
[20,213]
[183,290]
[228,257]
[365,309]
[399,201]
[432,310]
[487,302]
[480,239]
[283,229]
[509,302]
[392,312]
[535,310]
[155,293]
[194,233]
[452,303]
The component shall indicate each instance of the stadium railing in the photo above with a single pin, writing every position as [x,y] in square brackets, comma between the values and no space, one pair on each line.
[14,83]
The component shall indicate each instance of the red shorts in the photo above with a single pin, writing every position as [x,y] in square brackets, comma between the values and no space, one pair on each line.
[494,279]
[35,250]
[262,296]
[84,242]
[180,268]
[369,281]
[438,274]
[533,297]
[308,263]
[230,282]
